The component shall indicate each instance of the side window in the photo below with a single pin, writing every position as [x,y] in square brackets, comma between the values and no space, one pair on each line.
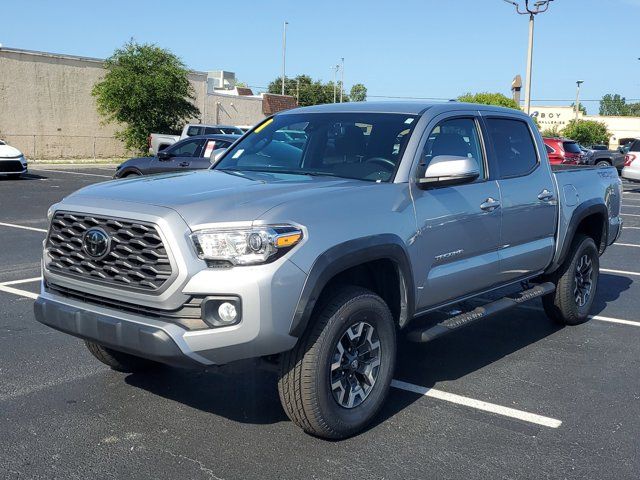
[513,145]
[458,137]
[189,148]
[549,149]
[212,131]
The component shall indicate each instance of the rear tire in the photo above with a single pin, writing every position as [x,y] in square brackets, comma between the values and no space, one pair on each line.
[603,163]
[337,377]
[119,361]
[576,281]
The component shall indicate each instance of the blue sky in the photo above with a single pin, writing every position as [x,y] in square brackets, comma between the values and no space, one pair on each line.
[422,48]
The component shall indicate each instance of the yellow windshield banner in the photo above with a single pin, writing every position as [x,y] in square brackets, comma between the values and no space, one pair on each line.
[259,129]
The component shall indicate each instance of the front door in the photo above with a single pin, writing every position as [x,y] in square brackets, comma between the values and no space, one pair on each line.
[529,206]
[455,250]
[178,156]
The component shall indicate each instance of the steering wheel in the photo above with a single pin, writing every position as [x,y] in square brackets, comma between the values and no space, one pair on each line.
[384,162]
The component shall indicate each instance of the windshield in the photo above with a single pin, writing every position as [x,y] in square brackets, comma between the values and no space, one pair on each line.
[364,146]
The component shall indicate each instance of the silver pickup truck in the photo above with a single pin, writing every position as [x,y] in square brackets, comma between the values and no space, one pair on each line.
[318,254]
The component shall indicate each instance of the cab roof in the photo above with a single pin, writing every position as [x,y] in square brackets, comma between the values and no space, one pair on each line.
[405,107]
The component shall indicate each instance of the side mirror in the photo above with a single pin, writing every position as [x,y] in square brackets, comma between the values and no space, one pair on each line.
[164,155]
[447,170]
[216,154]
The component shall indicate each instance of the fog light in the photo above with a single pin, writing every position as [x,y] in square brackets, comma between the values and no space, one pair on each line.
[227,312]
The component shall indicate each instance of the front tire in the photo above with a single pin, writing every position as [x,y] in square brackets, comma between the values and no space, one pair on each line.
[337,377]
[603,163]
[576,281]
[120,361]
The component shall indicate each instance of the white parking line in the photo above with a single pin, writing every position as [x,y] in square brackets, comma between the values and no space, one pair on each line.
[16,291]
[630,228]
[626,245]
[615,320]
[13,225]
[629,215]
[24,280]
[621,272]
[71,173]
[477,404]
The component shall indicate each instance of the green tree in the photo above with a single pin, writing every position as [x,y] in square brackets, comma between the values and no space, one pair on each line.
[581,107]
[358,93]
[306,90]
[587,132]
[613,104]
[633,109]
[487,98]
[146,89]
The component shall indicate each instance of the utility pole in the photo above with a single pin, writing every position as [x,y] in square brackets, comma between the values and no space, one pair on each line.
[578,83]
[341,79]
[284,54]
[540,6]
[335,73]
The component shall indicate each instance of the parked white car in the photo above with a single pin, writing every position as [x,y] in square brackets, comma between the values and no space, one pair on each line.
[631,169]
[12,161]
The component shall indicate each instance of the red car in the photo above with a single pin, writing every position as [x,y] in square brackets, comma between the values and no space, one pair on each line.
[563,151]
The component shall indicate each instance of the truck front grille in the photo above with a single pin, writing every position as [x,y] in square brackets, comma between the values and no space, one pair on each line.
[135,260]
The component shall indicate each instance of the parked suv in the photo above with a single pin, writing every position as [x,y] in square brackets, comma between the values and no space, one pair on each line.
[318,257]
[564,151]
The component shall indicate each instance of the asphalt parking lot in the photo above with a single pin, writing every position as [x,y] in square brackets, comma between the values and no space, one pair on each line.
[515,396]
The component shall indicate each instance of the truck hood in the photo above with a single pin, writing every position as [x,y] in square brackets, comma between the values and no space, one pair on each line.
[212,196]
[7,151]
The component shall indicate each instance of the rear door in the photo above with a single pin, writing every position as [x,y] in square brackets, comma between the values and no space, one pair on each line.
[181,156]
[455,251]
[529,206]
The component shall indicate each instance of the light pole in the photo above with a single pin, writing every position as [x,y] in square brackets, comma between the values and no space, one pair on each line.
[335,73]
[341,79]
[578,83]
[540,6]
[284,53]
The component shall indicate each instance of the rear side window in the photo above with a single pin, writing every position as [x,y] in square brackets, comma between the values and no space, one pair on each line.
[571,147]
[549,149]
[212,131]
[193,130]
[513,145]
[635,146]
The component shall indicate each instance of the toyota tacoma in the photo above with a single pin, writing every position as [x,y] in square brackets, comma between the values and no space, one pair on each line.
[319,253]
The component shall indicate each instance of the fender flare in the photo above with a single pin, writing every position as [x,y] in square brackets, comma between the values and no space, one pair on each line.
[350,254]
[583,211]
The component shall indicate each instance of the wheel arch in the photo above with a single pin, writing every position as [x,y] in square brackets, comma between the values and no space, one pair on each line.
[591,219]
[378,262]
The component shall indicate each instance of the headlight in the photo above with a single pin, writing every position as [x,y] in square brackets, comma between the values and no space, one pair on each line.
[245,246]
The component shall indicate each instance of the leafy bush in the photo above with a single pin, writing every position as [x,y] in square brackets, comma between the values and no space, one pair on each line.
[587,132]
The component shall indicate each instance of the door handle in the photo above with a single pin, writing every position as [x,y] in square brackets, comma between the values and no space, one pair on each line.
[184,164]
[490,204]
[545,195]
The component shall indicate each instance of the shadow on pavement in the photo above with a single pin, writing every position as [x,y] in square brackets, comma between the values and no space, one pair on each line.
[609,289]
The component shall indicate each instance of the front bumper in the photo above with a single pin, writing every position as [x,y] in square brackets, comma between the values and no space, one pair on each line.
[268,293]
[12,166]
[155,342]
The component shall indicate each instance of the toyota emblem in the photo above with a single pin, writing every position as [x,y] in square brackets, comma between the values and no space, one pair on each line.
[96,243]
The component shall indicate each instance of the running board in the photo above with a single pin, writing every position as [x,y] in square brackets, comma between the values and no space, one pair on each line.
[451,324]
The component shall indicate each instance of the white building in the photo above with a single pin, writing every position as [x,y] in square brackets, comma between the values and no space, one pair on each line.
[620,127]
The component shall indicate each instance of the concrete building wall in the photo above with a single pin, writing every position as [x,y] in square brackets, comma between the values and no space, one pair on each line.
[47,111]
